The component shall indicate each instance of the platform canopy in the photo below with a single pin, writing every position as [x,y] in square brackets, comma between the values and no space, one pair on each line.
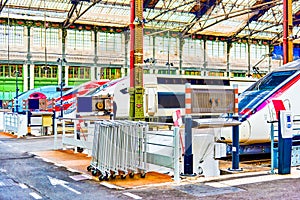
[261,19]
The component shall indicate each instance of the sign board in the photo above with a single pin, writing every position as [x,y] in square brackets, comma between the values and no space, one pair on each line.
[33,104]
[213,100]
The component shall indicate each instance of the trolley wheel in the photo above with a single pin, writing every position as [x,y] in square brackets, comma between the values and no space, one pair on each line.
[143,175]
[95,172]
[113,176]
[123,176]
[89,168]
[106,178]
[131,174]
[101,177]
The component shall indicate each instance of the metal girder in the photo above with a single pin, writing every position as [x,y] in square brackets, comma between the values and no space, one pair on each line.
[2,4]
[150,4]
[202,8]
[255,32]
[171,10]
[198,17]
[262,10]
[255,17]
[296,18]
[230,15]
[75,13]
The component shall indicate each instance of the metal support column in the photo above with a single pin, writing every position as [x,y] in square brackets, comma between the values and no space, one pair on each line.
[287,31]
[94,75]
[204,71]
[235,149]
[229,44]
[28,62]
[188,154]
[136,61]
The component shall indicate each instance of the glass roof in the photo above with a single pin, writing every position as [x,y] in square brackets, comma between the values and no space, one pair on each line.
[241,18]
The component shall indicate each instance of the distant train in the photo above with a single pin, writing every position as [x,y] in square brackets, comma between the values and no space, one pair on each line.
[69,97]
[50,92]
[163,94]
[259,104]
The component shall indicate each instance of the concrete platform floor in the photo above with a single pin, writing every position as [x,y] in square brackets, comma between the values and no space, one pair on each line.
[80,161]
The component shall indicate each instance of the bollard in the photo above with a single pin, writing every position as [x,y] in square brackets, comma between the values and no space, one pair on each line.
[188,156]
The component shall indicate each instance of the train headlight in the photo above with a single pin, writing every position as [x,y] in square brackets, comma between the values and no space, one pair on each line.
[99,105]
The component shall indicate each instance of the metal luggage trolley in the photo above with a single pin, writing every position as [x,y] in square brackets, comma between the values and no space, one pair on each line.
[94,150]
[118,149]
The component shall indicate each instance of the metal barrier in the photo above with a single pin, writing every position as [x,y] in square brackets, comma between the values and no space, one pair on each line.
[76,132]
[126,147]
[15,123]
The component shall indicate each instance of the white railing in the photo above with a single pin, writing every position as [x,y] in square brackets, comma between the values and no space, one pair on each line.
[76,132]
[15,123]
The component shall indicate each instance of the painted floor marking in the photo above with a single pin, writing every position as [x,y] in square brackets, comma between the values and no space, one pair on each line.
[23,186]
[132,195]
[111,186]
[35,195]
[247,180]
[81,177]
[58,165]
[216,184]
[73,170]
[3,170]
[7,182]
[1,184]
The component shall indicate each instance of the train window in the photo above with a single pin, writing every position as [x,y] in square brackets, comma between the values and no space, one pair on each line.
[171,100]
[193,81]
[272,80]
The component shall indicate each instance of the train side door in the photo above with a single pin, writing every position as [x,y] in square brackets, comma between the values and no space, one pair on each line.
[150,100]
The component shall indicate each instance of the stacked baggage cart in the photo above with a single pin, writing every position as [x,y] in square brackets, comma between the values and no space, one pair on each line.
[119,148]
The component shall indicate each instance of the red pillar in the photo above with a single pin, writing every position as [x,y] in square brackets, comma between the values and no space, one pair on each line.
[287,31]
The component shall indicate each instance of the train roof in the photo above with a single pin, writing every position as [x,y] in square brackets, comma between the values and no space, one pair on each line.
[294,65]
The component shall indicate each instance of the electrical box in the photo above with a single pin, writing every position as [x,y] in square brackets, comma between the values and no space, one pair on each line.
[286,124]
[46,120]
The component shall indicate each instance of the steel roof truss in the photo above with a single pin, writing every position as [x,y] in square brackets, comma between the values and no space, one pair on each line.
[2,4]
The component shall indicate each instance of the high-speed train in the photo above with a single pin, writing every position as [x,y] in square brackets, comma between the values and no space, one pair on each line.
[163,94]
[257,107]
[50,91]
[69,98]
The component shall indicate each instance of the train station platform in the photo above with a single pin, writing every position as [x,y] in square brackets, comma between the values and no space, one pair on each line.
[78,162]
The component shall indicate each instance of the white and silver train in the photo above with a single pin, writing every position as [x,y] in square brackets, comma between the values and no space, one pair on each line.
[257,106]
[163,94]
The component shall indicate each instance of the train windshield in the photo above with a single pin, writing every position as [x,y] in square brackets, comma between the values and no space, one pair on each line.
[262,88]
[271,81]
